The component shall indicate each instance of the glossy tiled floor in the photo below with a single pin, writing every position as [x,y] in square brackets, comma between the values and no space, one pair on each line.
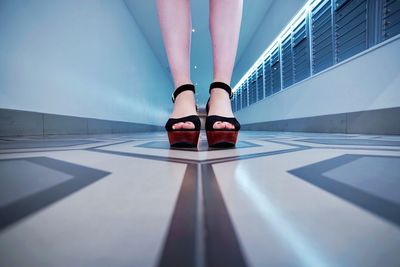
[278,199]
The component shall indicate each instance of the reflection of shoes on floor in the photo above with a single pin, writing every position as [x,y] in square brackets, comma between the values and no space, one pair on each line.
[183,137]
[221,137]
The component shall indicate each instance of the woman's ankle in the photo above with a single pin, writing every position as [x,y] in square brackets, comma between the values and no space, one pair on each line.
[181,82]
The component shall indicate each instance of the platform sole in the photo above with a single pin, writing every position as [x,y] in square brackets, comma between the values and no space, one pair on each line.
[222,138]
[183,138]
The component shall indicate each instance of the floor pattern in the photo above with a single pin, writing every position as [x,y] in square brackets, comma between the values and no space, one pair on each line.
[277,199]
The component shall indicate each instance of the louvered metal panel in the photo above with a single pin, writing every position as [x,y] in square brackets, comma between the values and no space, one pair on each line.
[260,82]
[301,52]
[287,62]
[244,95]
[322,36]
[239,99]
[253,88]
[233,102]
[267,77]
[337,32]
[350,28]
[275,71]
[391,18]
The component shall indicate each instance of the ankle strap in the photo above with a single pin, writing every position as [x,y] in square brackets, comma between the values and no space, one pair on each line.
[221,85]
[182,88]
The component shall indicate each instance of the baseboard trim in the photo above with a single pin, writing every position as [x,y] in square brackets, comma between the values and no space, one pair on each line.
[24,123]
[379,121]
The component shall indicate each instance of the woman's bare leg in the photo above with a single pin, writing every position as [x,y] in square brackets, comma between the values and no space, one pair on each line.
[176,27]
[225,20]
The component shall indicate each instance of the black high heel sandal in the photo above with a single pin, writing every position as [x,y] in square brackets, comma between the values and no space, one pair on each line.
[221,137]
[183,137]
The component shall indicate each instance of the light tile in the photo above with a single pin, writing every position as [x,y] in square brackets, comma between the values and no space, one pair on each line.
[284,221]
[120,220]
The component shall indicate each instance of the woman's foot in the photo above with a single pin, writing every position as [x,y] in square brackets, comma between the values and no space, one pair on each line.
[220,104]
[185,105]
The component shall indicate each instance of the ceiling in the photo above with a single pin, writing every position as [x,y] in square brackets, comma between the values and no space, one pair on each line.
[145,14]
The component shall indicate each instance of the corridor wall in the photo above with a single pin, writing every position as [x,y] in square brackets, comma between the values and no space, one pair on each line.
[334,68]
[79,58]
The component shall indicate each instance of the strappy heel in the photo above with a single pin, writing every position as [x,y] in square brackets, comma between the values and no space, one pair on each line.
[221,137]
[183,137]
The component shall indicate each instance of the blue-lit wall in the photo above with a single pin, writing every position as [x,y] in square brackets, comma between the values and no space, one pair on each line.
[79,58]
[275,19]
[368,82]
[340,57]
